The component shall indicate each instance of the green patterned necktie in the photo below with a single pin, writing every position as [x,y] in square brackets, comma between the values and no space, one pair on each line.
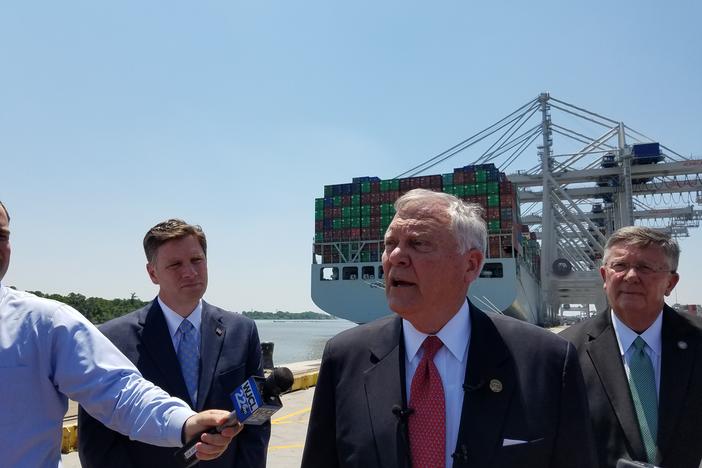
[642,383]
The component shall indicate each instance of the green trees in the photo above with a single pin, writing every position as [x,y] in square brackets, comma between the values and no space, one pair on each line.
[96,309]
[282,315]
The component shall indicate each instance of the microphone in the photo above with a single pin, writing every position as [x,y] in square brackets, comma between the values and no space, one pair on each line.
[402,414]
[254,401]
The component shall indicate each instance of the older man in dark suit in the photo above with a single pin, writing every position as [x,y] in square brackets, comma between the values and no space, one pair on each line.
[193,350]
[442,383]
[642,360]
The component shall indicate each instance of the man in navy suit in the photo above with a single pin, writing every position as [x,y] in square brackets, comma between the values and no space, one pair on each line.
[193,350]
[639,270]
[442,383]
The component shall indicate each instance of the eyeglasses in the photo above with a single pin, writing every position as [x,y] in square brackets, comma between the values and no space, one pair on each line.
[642,269]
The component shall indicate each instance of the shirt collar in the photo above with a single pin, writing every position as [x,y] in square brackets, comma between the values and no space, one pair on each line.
[626,336]
[455,335]
[173,320]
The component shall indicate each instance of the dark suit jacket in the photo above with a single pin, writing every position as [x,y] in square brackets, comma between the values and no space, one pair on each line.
[542,399]
[680,397]
[230,353]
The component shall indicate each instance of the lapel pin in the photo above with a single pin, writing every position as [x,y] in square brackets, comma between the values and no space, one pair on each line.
[219,331]
[495,385]
[682,345]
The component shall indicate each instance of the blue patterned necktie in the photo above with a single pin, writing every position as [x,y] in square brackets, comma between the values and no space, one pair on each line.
[189,358]
[642,383]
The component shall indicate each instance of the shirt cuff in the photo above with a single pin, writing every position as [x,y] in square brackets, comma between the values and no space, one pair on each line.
[174,429]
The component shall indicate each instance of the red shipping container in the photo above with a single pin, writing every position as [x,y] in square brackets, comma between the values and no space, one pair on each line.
[318,225]
[328,213]
[375,210]
[458,178]
[346,200]
[505,224]
[354,233]
[493,214]
[375,222]
[365,199]
[336,213]
[469,178]
[375,186]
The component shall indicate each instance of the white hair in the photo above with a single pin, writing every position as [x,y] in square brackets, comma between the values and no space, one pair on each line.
[467,222]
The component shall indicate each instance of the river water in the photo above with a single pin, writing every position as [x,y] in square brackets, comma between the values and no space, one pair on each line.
[299,340]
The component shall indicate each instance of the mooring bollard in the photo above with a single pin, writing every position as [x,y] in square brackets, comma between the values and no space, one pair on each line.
[267,354]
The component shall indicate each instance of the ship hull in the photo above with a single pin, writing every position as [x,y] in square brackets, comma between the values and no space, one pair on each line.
[360,298]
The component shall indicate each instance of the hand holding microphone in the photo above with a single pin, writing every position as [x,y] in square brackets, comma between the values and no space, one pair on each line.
[254,401]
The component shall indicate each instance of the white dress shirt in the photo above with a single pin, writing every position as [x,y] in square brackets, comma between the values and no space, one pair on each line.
[450,361]
[652,337]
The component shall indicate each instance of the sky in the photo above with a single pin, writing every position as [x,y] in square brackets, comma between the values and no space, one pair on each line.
[234,115]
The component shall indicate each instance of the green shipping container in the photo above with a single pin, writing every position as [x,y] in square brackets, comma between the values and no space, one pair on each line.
[337,201]
[365,210]
[481,188]
[469,190]
[365,187]
[319,203]
[493,201]
[447,180]
[394,185]
[355,222]
[387,209]
[493,187]
[365,221]
[480,176]
[494,226]
[319,237]
[355,200]
[338,223]
[318,214]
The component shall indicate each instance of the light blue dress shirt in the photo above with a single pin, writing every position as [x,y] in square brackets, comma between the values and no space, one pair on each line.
[450,361]
[50,352]
[653,338]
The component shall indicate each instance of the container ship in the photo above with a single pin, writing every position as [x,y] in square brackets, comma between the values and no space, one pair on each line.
[350,223]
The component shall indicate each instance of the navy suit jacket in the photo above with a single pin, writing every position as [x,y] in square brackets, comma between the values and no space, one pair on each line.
[230,352]
[541,399]
[614,419]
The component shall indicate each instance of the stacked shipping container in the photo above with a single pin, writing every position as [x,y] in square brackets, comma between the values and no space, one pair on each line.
[351,219]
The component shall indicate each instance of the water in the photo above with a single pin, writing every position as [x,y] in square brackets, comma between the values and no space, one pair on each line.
[299,340]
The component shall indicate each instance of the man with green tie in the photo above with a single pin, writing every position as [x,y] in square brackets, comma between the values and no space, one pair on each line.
[642,360]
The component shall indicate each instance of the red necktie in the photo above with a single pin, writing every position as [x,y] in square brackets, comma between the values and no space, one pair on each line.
[427,424]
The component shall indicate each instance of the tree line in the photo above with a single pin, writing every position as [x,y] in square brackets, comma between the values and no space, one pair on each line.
[96,309]
[99,310]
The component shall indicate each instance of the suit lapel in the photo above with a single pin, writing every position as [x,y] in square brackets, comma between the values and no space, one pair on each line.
[603,350]
[212,333]
[677,361]
[383,386]
[484,407]
[156,338]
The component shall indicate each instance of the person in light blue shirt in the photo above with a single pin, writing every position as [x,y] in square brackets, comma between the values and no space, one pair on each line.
[50,352]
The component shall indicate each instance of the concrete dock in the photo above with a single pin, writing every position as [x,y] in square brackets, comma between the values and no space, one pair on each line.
[289,426]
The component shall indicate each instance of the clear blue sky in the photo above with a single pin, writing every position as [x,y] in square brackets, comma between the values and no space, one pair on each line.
[234,115]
